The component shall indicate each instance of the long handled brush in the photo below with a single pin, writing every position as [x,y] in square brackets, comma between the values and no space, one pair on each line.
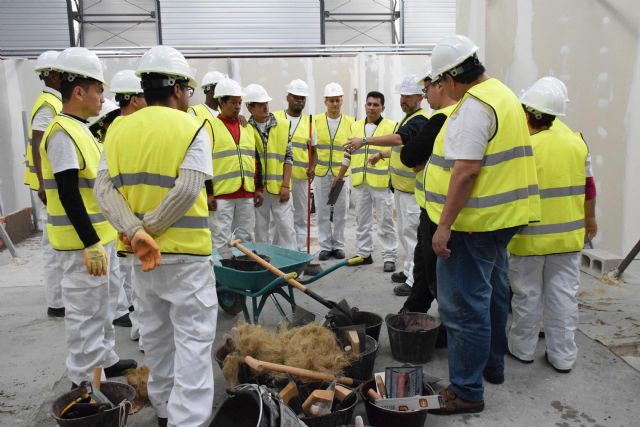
[312,268]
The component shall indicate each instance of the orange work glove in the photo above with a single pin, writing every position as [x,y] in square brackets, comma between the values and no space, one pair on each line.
[95,259]
[146,249]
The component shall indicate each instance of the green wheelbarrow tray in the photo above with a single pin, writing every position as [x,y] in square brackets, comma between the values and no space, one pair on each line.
[234,286]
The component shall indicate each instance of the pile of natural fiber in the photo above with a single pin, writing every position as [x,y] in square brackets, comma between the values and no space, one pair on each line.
[137,378]
[311,347]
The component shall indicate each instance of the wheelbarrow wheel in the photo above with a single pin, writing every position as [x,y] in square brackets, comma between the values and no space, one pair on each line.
[230,302]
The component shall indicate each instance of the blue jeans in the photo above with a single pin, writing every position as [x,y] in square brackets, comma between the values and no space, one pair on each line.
[473,301]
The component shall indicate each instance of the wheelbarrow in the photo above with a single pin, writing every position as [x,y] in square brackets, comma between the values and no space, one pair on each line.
[234,286]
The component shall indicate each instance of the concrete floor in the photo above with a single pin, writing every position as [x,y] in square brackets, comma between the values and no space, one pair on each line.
[602,390]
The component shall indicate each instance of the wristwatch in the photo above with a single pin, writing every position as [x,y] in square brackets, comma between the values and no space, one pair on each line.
[364,141]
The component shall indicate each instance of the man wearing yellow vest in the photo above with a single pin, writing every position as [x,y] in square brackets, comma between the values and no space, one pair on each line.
[209,109]
[82,237]
[480,188]
[402,177]
[236,188]
[302,170]
[415,154]
[332,129]
[151,183]
[274,147]
[371,183]
[544,267]
[47,106]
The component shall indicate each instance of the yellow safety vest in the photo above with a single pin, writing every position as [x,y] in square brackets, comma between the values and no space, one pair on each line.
[300,141]
[62,234]
[403,178]
[560,162]
[203,113]
[375,176]
[51,101]
[331,151]
[505,193]
[234,165]
[144,151]
[273,161]
[419,191]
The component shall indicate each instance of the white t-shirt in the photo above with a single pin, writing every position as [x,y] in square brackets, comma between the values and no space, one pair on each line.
[370,128]
[198,157]
[333,125]
[294,125]
[469,130]
[44,115]
[61,150]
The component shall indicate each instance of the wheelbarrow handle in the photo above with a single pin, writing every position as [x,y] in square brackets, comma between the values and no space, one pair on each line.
[262,367]
[290,280]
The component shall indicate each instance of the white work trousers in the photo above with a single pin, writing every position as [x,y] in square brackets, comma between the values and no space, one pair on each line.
[367,200]
[408,213]
[232,218]
[87,322]
[52,271]
[117,295]
[330,234]
[300,196]
[544,293]
[280,215]
[178,312]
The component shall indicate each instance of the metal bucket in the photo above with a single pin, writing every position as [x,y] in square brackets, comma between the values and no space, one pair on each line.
[88,415]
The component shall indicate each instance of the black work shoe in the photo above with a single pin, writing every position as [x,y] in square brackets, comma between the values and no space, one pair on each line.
[389,266]
[526,362]
[561,371]
[123,321]
[55,312]
[338,254]
[493,377]
[541,334]
[324,255]
[162,422]
[120,367]
[366,261]
[402,290]
[398,277]
[455,405]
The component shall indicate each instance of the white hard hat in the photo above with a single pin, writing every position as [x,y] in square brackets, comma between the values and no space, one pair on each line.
[212,78]
[125,81]
[46,61]
[411,85]
[107,107]
[545,96]
[449,53]
[255,93]
[81,62]
[559,83]
[228,87]
[333,89]
[298,87]
[168,61]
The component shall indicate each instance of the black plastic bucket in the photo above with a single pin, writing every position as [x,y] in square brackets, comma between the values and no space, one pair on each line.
[341,416]
[91,417]
[362,369]
[412,336]
[372,322]
[381,417]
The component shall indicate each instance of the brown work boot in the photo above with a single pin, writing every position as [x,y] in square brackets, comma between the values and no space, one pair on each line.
[455,405]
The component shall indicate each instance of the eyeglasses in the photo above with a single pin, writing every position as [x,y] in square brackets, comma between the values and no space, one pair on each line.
[188,89]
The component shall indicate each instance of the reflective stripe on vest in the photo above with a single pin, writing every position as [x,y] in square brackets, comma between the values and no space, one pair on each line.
[62,234]
[331,151]
[234,165]
[419,190]
[403,178]
[46,100]
[273,160]
[560,157]
[505,194]
[300,139]
[144,152]
[375,176]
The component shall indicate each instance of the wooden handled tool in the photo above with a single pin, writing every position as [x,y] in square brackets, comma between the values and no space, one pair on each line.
[381,388]
[95,380]
[262,367]
[354,341]
[373,395]
[289,392]
[322,398]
